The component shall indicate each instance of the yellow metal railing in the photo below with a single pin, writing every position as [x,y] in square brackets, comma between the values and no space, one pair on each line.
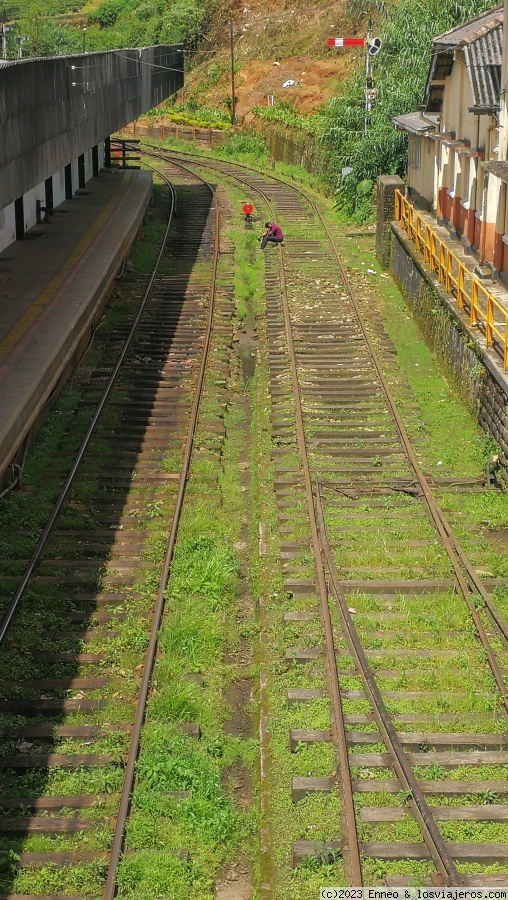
[485,312]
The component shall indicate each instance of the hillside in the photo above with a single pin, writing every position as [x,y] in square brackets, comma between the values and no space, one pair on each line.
[269,50]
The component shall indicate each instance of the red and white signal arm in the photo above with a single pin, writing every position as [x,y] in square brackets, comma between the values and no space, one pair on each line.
[345,42]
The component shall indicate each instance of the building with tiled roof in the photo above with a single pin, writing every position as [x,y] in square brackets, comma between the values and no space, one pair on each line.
[457,143]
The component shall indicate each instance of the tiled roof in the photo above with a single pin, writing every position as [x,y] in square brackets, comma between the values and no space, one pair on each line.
[499,169]
[481,42]
[471,30]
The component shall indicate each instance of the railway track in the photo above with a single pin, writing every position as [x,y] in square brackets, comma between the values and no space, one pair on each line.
[80,617]
[379,589]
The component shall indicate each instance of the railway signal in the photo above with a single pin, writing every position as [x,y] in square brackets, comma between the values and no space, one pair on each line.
[373,45]
[345,42]
[247,210]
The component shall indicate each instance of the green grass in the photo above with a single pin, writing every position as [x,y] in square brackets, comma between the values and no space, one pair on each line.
[199,635]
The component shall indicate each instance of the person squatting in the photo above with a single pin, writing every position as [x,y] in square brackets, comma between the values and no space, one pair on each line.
[273,234]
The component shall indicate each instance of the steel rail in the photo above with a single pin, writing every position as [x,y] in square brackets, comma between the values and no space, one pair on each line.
[456,557]
[421,810]
[129,774]
[472,575]
[350,849]
[450,542]
[430,833]
[37,553]
[432,836]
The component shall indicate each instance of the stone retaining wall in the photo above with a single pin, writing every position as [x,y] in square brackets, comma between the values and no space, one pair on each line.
[465,363]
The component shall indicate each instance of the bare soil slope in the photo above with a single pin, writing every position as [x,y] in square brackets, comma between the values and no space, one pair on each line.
[270,50]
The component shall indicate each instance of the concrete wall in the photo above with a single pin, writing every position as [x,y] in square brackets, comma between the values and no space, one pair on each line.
[53,110]
[421,171]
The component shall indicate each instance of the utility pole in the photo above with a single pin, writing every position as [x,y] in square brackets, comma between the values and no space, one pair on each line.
[232,53]
[368,78]
[84,38]
[4,31]
[20,41]
[37,34]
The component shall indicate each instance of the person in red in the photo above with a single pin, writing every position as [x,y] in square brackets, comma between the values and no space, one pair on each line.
[273,234]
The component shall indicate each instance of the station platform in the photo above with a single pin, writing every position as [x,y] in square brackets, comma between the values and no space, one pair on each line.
[53,286]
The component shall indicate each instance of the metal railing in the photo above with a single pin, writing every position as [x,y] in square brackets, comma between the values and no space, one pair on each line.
[485,312]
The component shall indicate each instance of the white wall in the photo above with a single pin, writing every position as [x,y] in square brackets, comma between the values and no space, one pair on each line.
[59,187]
[29,203]
[88,165]
[7,226]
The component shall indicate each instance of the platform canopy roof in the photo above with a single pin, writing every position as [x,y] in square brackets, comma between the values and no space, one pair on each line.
[415,123]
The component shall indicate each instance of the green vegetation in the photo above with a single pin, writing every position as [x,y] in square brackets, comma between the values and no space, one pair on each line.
[284,113]
[194,114]
[399,74]
[56,27]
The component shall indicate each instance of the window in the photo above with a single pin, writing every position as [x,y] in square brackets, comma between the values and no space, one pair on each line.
[415,151]
[418,152]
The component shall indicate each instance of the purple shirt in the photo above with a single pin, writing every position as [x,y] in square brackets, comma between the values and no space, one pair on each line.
[275,231]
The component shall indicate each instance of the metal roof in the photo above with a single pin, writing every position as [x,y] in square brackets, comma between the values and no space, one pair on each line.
[481,42]
[413,122]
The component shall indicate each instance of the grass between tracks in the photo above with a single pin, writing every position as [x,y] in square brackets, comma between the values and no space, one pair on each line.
[22,517]
[201,634]
[431,413]
[447,438]
[317,817]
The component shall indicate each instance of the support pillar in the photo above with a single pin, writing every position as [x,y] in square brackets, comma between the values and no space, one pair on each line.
[48,191]
[68,181]
[385,203]
[19,217]
[81,171]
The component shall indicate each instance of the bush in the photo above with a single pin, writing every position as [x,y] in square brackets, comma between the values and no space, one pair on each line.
[244,143]
[107,14]
[284,114]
